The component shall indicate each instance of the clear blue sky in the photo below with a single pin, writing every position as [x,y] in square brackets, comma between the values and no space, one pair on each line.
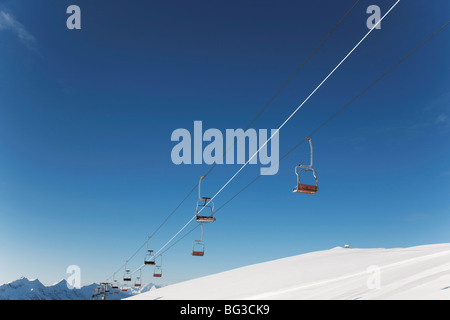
[86,118]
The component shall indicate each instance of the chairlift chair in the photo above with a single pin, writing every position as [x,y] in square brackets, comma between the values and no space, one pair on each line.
[149,258]
[306,188]
[115,283]
[127,274]
[204,203]
[157,272]
[137,282]
[198,246]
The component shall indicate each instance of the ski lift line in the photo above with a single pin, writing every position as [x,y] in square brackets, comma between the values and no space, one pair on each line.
[207,200]
[132,256]
[210,200]
[301,105]
[284,85]
[295,111]
[338,112]
[282,125]
[157,229]
[257,116]
[362,92]
[318,128]
[172,245]
[165,245]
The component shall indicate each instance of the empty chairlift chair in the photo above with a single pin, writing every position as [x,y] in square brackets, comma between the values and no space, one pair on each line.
[198,246]
[137,282]
[127,274]
[205,207]
[302,187]
[149,258]
[115,283]
[157,272]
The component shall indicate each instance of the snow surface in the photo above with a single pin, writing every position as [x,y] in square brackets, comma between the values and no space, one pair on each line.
[421,272]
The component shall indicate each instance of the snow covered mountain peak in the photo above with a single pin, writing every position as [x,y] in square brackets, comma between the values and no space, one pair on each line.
[25,289]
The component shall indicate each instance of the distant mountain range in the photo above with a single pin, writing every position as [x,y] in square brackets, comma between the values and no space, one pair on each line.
[25,289]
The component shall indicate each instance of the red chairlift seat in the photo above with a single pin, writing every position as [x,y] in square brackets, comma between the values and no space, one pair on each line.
[157,272]
[137,282]
[302,187]
[198,246]
[306,188]
[198,253]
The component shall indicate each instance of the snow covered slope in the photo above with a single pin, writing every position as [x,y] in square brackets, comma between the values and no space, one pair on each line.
[421,272]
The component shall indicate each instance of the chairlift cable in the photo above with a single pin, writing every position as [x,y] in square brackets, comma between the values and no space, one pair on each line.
[319,127]
[284,85]
[282,125]
[157,229]
[248,126]
[338,112]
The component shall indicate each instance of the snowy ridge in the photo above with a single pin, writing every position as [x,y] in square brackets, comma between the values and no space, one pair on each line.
[24,289]
[421,272]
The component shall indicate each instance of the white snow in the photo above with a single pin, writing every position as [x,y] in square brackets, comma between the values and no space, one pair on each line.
[421,272]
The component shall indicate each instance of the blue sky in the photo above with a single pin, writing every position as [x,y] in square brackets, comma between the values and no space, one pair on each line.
[86,118]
